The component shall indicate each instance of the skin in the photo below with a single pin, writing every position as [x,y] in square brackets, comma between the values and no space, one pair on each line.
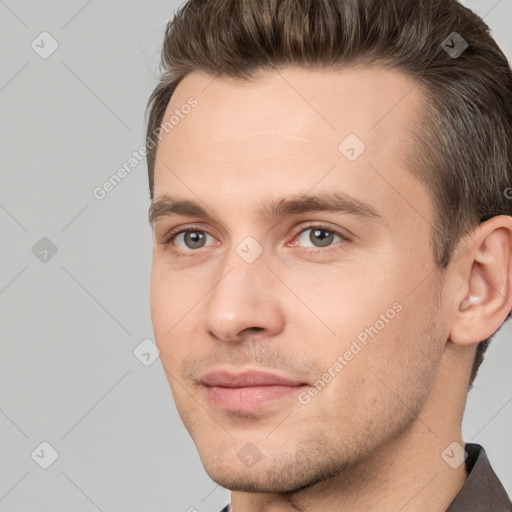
[373,437]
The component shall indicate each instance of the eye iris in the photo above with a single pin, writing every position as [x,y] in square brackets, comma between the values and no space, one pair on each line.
[194,239]
[322,237]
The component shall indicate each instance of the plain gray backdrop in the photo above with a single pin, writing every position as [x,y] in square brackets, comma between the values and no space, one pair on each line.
[74,273]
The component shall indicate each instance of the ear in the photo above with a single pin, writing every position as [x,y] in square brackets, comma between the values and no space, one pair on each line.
[484,289]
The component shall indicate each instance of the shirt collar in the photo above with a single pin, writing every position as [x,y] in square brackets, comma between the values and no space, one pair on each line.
[482,491]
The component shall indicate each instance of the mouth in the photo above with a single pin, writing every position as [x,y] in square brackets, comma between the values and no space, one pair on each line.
[247,391]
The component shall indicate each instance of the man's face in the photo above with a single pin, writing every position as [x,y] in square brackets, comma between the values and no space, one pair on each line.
[296,341]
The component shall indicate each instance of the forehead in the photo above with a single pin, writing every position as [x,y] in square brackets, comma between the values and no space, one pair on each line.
[301,103]
[287,129]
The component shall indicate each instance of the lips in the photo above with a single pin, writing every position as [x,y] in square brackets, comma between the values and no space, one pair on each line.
[247,391]
[247,379]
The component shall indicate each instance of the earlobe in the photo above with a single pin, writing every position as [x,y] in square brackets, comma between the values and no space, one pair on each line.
[486,271]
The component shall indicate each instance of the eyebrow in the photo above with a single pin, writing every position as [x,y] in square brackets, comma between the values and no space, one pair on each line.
[168,206]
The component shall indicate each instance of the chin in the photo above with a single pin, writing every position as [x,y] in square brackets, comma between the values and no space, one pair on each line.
[283,474]
[249,481]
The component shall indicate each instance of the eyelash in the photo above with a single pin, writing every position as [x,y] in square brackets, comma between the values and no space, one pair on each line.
[173,234]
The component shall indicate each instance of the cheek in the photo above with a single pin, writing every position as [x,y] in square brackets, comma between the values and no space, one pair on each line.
[172,297]
[381,328]
[386,382]
[159,302]
[347,299]
[167,313]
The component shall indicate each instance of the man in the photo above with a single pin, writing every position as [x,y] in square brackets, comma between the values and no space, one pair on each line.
[332,247]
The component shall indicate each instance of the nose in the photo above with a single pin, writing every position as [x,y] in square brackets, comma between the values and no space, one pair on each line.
[244,302]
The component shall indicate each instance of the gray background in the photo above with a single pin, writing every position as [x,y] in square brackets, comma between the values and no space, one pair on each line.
[69,325]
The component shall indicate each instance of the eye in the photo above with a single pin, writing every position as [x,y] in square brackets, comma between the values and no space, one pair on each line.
[190,239]
[314,237]
[319,236]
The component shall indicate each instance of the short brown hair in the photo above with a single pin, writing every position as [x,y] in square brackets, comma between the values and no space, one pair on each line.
[462,142]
